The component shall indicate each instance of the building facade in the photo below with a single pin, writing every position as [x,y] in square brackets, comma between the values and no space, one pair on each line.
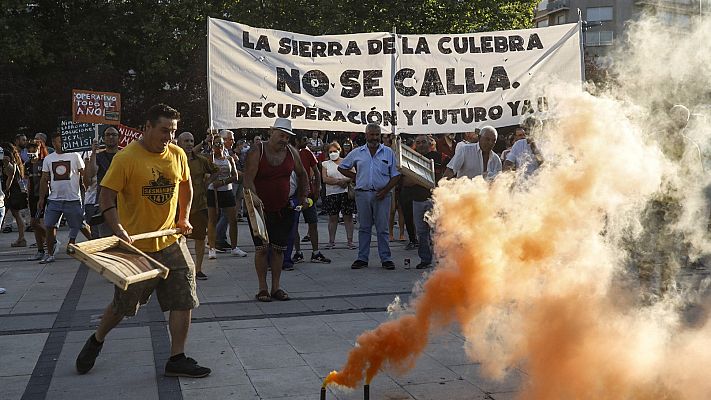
[606,19]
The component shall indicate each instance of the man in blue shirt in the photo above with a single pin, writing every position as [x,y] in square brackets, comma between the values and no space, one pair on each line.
[376,174]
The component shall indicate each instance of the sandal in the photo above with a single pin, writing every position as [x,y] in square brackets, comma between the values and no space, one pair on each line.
[19,243]
[263,296]
[352,246]
[281,295]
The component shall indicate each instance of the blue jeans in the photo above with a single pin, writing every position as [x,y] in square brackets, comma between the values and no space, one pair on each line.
[419,208]
[72,210]
[221,229]
[373,212]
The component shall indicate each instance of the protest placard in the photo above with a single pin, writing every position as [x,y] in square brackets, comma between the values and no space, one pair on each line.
[405,83]
[96,107]
[76,136]
[128,135]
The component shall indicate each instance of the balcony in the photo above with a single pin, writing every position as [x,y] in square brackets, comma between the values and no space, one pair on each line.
[557,5]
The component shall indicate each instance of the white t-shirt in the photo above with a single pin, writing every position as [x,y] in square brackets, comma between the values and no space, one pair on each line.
[332,172]
[64,176]
[522,155]
[468,161]
[225,165]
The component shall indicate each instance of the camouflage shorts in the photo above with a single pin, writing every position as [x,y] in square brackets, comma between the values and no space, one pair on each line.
[175,293]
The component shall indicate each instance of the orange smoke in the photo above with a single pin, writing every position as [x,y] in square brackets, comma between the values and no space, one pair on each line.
[537,265]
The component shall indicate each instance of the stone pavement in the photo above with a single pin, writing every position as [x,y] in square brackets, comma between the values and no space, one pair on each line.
[278,350]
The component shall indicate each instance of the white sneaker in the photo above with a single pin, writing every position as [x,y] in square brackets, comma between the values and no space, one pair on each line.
[211,254]
[238,252]
[47,260]
[2,290]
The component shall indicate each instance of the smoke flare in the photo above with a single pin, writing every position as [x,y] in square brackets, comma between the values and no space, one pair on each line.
[536,273]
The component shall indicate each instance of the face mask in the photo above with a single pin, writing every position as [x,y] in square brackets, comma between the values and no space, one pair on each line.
[333,156]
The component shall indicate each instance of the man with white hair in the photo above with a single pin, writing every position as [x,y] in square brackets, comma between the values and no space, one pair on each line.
[525,153]
[476,159]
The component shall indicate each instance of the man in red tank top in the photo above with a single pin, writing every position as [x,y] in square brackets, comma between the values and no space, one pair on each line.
[267,173]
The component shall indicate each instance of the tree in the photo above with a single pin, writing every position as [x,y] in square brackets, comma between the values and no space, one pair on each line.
[156,51]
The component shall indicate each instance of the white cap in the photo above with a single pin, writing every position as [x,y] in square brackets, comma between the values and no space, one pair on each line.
[283,124]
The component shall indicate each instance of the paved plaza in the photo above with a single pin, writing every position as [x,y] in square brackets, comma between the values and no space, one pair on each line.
[278,350]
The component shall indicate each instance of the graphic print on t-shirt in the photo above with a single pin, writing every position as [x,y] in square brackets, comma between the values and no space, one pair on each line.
[160,190]
[61,170]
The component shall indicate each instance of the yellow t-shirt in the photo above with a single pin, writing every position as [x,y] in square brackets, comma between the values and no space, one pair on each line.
[147,186]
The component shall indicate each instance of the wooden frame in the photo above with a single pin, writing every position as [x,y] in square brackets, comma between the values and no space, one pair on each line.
[414,165]
[256,217]
[116,265]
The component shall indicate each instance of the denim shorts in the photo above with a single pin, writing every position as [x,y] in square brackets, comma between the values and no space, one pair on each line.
[72,211]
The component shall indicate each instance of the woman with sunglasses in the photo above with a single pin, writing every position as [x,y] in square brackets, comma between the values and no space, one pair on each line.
[220,198]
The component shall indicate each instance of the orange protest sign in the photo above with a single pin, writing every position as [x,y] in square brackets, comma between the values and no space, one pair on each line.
[96,107]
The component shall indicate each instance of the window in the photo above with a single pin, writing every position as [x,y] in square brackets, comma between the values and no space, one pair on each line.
[599,14]
[602,38]
[543,5]
[542,23]
[673,19]
[560,19]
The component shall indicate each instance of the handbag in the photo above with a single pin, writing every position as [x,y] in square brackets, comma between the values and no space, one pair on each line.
[17,200]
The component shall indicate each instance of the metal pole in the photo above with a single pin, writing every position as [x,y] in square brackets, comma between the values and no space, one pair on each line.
[392,80]
[582,45]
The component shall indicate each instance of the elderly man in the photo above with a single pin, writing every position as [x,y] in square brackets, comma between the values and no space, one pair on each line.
[476,159]
[267,175]
[525,153]
[376,175]
[202,173]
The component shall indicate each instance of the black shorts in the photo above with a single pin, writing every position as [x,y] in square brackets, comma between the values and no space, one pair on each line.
[335,204]
[278,224]
[33,200]
[225,199]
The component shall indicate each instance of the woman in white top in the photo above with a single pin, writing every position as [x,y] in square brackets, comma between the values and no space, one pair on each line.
[220,196]
[337,200]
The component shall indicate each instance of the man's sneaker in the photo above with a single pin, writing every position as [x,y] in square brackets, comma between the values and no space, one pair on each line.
[238,252]
[211,254]
[423,265]
[359,264]
[411,246]
[223,246]
[87,355]
[2,290]
[200,276]
[47,260]
[7,229]
[297,257]
[186,367]
[388,265]
[37,257]
[305,238]
[319,258]
[287,267]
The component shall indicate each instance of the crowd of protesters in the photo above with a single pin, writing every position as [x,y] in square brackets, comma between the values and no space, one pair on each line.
[58,188]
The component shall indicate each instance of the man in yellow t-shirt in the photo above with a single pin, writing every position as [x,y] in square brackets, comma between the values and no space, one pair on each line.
[147,182]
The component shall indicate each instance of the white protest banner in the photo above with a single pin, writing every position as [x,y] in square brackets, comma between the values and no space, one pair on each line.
[405,83]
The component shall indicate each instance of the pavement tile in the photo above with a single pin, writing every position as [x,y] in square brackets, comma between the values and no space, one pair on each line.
[266,357]
[240,392]
[426,370]
[288,382]
[448,353]
[455,390]
[253,337]
[382,387]
[283,307]
[14,323]
[350,330]
[330,304]
[473,373]
[12,387]
[247,323]
[235,309]
[20,353]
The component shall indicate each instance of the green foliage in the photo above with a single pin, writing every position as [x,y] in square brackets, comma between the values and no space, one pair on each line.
[156,51]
